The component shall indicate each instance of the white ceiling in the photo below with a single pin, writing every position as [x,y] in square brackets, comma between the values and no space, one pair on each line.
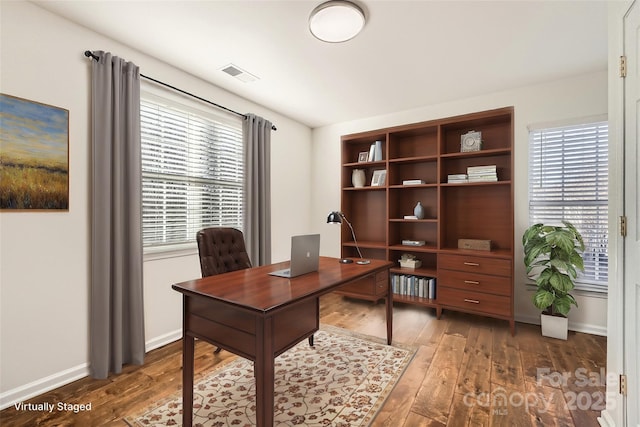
[410,53]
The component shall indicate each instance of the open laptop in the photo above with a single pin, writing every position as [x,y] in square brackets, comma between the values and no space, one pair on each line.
[305,253]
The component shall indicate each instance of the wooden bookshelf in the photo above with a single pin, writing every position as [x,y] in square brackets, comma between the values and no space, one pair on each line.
[430,152]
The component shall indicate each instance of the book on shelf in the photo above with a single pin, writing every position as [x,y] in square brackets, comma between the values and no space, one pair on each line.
[408,242]
[481,169]
[482,173]
[483,178]
[457,178]
[413,286]
[375,152]
[372,153]
[410,217]
[413,182]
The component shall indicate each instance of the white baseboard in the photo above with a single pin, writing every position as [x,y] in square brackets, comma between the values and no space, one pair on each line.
[43,385]
[605,419]
[162,340]
[573,326]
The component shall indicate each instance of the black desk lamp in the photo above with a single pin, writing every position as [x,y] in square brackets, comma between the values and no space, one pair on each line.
[336,217]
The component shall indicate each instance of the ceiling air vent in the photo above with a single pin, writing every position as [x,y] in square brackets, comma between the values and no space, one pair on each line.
[239,73]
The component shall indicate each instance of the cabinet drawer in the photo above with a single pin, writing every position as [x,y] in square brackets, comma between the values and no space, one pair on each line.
[475,264]
[475,282]
[475,301]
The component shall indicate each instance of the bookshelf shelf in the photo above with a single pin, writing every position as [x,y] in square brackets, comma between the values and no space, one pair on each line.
[429,153]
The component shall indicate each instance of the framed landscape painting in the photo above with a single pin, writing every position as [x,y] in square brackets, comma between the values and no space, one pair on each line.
[34,155]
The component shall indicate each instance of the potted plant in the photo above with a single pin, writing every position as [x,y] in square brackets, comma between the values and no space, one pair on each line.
[553,256]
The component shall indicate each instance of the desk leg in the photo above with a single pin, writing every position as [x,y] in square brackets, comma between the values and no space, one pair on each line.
[264,373]
[188,343]
[389,312]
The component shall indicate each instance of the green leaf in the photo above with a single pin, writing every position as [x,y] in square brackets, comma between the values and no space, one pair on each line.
[563,304]
[559,264]
[532,255]
[577,261]
[543,278]
[531,232]
[543,299]
[561,282]
[562,239]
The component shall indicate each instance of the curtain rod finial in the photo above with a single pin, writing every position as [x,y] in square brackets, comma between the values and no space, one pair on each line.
[90,54]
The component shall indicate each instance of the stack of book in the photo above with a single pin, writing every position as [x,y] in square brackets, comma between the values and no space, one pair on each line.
[457,178]
[413,286]
[482,173]
[413,182]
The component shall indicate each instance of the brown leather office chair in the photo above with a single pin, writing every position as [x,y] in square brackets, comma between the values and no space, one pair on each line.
[222,250]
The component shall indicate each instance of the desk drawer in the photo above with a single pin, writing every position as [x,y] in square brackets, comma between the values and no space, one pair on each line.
[475,282]
[475,301]
[475,264]
[370,286]
[382,283]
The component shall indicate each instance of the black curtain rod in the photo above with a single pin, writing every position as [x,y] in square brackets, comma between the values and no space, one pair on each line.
[90,54]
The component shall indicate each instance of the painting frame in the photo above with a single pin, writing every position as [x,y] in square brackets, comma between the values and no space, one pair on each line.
[379,177]
[34,156]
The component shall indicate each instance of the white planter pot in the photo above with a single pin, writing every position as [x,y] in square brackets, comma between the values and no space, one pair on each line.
[554,326]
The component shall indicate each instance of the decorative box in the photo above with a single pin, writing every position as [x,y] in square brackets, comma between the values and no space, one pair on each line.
[410,263]
[478,245]
[471,141]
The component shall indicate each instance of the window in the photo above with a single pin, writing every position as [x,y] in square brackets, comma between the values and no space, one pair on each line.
[568,180]
[192,171]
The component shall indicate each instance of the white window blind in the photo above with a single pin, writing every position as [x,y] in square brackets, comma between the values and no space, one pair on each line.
[192,171]
[568,180]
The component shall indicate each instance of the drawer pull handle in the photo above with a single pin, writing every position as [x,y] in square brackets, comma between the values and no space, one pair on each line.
[472,264]
[471,282]
[473,301]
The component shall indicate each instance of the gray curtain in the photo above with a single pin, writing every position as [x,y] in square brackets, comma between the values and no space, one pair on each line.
[257,206]
[116,308]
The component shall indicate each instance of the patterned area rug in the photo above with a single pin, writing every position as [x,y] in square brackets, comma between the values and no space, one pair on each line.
[342,381]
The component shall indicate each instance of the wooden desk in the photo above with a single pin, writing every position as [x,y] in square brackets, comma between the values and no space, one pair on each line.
[258,316]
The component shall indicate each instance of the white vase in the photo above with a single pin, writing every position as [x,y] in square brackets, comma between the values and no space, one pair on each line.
[357,178]
[418,211]
[554,326]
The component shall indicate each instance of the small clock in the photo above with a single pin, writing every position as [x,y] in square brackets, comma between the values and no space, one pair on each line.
[471,141]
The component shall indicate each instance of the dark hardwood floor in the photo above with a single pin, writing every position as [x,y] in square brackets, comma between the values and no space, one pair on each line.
[467,371]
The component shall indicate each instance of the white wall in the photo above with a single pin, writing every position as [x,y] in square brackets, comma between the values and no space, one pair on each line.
[580,96]
[44,257]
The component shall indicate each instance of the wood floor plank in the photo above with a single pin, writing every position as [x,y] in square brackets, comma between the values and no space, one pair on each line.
[402,398]
[410,322]
[507,407]
[465,411]
[547,406]
[434,398]
[475,371]
[433,334]
[417,420]
[459,325]
[506,363]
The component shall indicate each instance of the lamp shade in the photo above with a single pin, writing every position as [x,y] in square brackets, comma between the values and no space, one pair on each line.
[334,218]
[336,21]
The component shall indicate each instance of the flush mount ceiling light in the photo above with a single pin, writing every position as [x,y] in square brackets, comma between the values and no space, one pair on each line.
[336,21]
